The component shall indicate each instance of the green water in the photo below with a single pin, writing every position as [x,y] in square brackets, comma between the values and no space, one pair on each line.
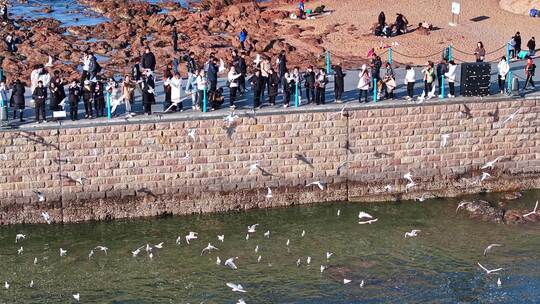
[438,266]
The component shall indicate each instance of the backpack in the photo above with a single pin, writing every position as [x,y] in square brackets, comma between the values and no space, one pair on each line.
[534,13]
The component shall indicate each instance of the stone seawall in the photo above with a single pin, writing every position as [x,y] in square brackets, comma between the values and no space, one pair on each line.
[141,169]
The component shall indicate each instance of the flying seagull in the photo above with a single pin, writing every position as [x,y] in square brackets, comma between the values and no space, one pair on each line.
[102,248]
[338,212]
[218,261]
[488,248]
[63,252]
[235,287]
[489,271]
[191,133]
[253,167]
[328,255]
[303,159]
[485,176]
[467,112]
[368,222]
[19,237]
[221,238]
[412,233]
[208,249]
[319,184]
[252,228]
[40,196]
[191,236]
[509,118]
[341,166]
[230,118]
[137,251]
[230,263]
[490,164]
[534,210]
[267,234]
[346,281]
[77,297]
[408,176]
[20,250]
[363,214]
[494,114]
[444,140]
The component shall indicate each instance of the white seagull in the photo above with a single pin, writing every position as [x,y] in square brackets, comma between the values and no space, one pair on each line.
[20,250]
[346,281]
[444,140]
[46,217]
[490,164]
[191,236]
[230,118]
[40,196]
[218,261]
[323,268]
[534,210]
[159,246]
[208,249]
[499,283]
[489,271]
[328,255]
[63,252]
[308,260]
[267,234]
[137,251]
[221,238]
[102,248]
[363,214]
[485,176]
[269,194]
[230,263]
[77,297]
[6,285]
[253,167]
[319,184]
[252,228]
[235,287]
[412,233]
[338,212]
[303,233]
[241,301]
[191,133]
[509,118]
[368,222]
[408,177]
[488,248]
[19,237]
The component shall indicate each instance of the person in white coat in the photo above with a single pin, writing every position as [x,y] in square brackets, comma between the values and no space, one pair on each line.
[232,77]
[503,69]
[202,83]
[364,83]
[410,79]
[3,94]
[176,92]
[451,77]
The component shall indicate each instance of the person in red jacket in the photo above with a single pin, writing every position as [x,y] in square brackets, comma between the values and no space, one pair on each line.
[529,71]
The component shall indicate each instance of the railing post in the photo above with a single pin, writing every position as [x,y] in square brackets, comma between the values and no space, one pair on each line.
[204,100]
[442,87]
[375,90]
[507,52]
[449,52]
[509,82]
[296,101]
[108,106]
[390,55]
[327,62]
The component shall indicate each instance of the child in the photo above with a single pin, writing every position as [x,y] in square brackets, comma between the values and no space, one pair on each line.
[40,96]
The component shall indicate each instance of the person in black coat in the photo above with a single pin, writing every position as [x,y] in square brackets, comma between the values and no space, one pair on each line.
[309,77]
[88,96]
[242,69]
[18,99]
[56,87]
[442,68]
[273,85]
[99,98]
[174,37]
[257,84]
[148,60]
[40,96]
[282,64]
[339,82]
[288,83]
[517,39]
[74,96]
[148,87]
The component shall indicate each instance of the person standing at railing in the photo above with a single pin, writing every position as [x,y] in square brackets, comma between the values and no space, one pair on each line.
[389,81]
[480,52]
[410,79]
[202,84]
[88,97]
[503,68]
[148,89]
[451,76]
[257,85]
[309,77]
[232,78]
[530,69]
[74,95]
[17,94]
[40,96]
[517,38]
[339,82]
[532,47]
[320,84]
[287,82]
[512,48]
[442,69]
[429,76]
[364,83]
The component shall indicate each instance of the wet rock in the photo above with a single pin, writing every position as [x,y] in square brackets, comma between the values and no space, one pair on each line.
[483,210]
[514,217]
[512,196]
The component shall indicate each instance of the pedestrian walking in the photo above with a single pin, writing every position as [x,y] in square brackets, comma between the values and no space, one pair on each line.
[410,79]
[503,68]
[530,70]
[480,52]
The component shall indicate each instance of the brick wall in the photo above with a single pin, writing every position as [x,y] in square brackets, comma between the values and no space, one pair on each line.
[138,169]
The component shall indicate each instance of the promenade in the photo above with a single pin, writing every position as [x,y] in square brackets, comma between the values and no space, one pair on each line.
[244,103]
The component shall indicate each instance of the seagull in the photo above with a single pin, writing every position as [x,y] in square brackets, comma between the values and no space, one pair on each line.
[230,118]
[288,242]
[534,211]
[308,260]
[298,262]
[151,255]
[20,250]
[35,261]
[46,217]
[509,118]
[368,222]
[488,248]
[91,254]
[19,237]
[323,268]
[303,233]
[31,284]
[410,185]
[267,234]
[186,157]
[148,248]
[221,238]
[252,228]
[253,167]
[137,251]
[388,188]
[256,248]
[77,297]
[499,283]
[191,236]
[178,240]
[490,164]
[444,140]
[247,237]
[467,112]
[328,255]
[338,212]
[269,194]
[49,62]
[421,198]
[102,248]
[191,133]
[230,263]
[461,205]
[303,159]
[159,246]
[235,287]
[6,285]
[408,177]
[319,184]
[412,233]
[362,284]
[346,281]
[363,214]
[485,176]
[40,196]
[341,166]
[208,249]
[241,301]
[489,271]
[218,261]
[63,252]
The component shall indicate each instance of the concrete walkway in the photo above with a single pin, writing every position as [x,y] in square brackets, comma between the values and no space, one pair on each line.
[244,103]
